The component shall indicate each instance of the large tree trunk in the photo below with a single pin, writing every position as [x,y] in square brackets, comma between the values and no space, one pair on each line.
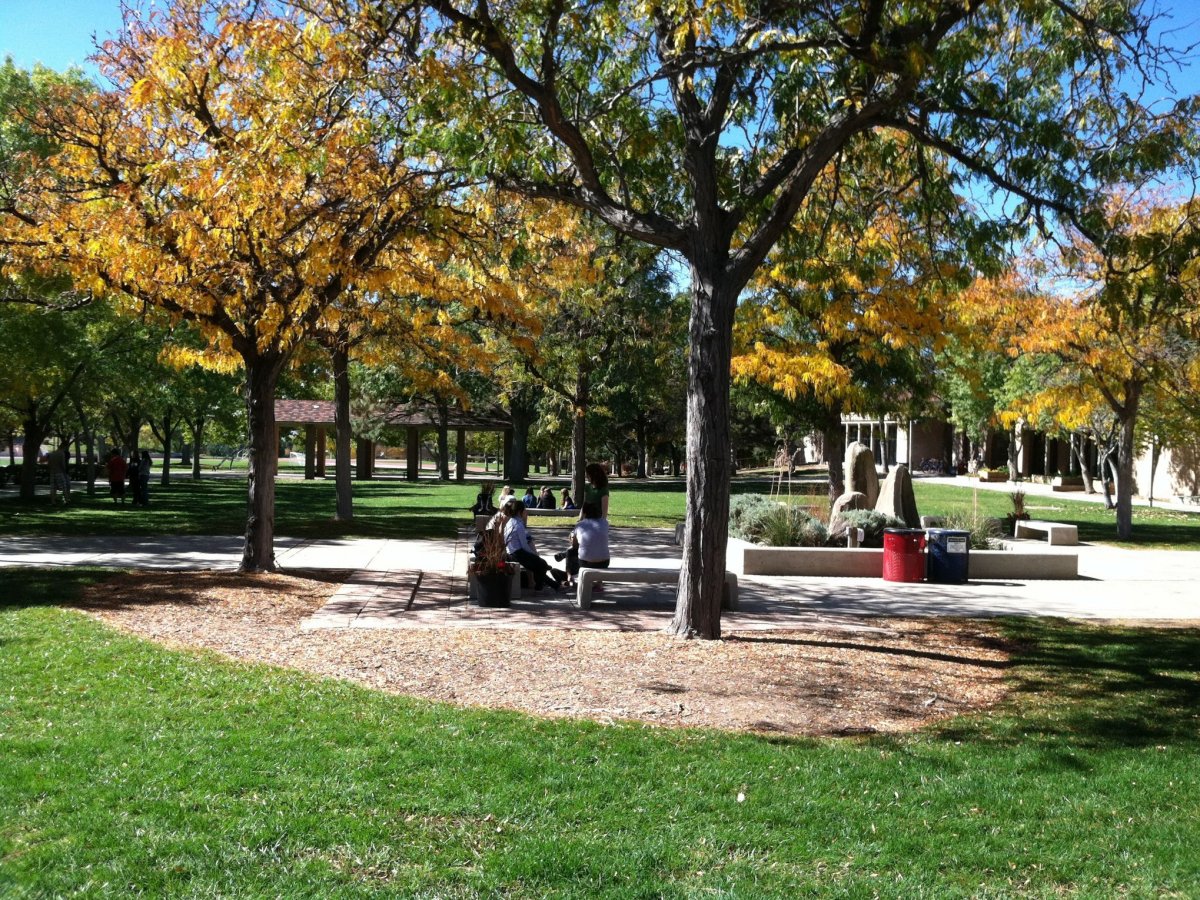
[165,434]
[640,430]
[262,373]
[1014,445]
[1155,455]
[197,427]
[883,445]
[522,411]
[89,439]
[1128,419]
[710,328]
[35,433]
[343,479]
[579,433]
[1085,465]
[834,436]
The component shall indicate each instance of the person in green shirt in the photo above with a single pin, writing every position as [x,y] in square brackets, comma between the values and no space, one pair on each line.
[596,488]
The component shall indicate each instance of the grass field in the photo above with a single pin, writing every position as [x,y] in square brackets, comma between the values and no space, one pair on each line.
[127,769]
[401,509]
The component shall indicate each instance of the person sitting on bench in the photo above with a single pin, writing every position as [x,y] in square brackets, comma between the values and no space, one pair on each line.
[589,542]
[520,550]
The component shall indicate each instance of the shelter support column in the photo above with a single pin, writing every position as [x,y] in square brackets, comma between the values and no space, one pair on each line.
[320,470]
[414,454]
[365,454]
[460,455]
[310,448]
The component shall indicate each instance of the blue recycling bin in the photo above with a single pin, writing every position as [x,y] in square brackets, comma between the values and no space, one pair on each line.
[947,556]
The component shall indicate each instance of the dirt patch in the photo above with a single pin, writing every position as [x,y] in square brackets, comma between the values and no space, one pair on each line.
[866,675]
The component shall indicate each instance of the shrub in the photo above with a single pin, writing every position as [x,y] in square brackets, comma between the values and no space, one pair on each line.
[984,532]
[753,517]
[745,511]
[872,523]
[790,526]
[1018,504]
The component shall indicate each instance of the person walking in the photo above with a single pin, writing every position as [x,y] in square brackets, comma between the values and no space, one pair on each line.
[132,469]
[56,462]
[116,469]
[144,467]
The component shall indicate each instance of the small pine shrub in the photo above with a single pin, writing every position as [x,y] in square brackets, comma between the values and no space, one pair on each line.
[872,523]
[790,526]
[745,511]
[753,517]
[983,533]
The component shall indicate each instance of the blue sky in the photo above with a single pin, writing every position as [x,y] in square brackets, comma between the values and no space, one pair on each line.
[59,33]
[56,33]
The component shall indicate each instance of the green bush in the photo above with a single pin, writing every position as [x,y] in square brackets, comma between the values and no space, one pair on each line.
[984,532]
[790,526]
[872,523]
[745,512]
[753,517]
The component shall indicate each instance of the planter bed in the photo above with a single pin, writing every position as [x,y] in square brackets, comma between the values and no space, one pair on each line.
[864,562]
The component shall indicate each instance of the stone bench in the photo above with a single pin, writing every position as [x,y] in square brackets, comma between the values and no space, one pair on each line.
[587,579]
[1057,534]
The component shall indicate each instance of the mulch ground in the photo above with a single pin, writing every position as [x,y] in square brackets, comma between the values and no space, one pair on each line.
[863,676]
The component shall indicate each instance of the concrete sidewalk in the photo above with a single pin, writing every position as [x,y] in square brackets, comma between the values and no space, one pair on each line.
[1143,585]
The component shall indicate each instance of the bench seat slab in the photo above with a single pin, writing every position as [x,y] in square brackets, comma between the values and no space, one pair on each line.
[587,579]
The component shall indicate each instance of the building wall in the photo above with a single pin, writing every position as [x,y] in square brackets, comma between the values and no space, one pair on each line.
[1177,474]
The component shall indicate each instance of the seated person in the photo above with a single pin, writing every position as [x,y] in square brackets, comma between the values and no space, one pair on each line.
[589,542]
[546,500]
[529,500]
[520,549]
[568,502]
[483,503]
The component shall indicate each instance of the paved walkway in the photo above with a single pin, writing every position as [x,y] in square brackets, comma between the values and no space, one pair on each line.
[420,584]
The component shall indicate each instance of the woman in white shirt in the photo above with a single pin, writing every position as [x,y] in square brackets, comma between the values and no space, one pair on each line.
[520,549]
[589,540]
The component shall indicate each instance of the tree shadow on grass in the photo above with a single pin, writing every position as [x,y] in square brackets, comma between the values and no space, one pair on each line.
[1101,686]
[874,647]
[24,588]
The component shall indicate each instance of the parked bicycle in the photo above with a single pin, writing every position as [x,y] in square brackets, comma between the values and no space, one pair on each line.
[931,466]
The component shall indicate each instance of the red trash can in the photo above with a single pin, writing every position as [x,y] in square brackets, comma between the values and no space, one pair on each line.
[903,554]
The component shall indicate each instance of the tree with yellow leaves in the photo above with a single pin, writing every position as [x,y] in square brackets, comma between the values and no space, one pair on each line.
[1123,322]
[852,306]
[234,176]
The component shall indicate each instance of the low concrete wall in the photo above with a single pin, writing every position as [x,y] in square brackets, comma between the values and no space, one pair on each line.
[863,562]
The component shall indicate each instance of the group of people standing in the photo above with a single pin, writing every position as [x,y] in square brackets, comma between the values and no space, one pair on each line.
[589,538]
[135,470]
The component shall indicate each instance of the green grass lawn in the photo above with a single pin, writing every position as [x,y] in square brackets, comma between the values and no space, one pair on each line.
[382,508]
[428,508]
[130,770]
[1152,527]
